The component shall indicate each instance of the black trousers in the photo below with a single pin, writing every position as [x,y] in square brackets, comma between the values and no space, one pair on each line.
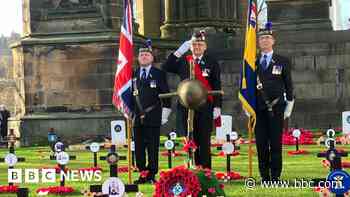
[147,140]
[202,127]
[268,135]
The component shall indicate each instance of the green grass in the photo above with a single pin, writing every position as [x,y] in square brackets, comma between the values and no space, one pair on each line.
[294,167]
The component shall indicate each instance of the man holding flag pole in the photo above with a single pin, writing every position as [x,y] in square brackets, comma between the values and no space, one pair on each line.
[275,101]
[136,96]
[150,113]
[266,94]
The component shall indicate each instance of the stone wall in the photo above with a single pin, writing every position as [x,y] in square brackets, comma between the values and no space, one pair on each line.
[69,76]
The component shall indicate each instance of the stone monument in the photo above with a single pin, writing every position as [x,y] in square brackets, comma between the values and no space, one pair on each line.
[64,67]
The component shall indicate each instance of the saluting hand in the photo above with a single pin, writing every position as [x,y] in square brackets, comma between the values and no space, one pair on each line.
[183,48]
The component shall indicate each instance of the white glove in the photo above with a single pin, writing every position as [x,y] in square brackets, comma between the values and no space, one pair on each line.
[216,112]
[165,115]
[246,113]
[288,109]
[183,48]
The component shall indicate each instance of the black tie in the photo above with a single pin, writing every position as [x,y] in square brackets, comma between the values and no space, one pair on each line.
[143,76]
[264,62]
[197,60]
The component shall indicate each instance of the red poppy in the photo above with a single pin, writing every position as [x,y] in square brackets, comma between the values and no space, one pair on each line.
[189,144]
[298,152]
[56,190]
[92,169]
[8,189]
[211,190]
[144,173]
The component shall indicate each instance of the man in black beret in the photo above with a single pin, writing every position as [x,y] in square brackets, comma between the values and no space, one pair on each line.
[275,102]
[150,113]
[208,72]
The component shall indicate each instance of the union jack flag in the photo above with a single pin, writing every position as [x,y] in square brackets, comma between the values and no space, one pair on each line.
[122,94]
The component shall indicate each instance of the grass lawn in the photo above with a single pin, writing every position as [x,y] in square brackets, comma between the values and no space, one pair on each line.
[294,167]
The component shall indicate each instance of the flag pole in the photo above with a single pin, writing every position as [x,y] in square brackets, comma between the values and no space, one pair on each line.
[129,125]
[250,151]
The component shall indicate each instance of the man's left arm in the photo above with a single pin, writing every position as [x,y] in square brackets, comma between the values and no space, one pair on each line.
[216,85]
[288,85]
[164,88]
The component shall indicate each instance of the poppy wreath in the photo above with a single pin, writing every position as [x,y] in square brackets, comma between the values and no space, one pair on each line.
[210,185]
[179,181]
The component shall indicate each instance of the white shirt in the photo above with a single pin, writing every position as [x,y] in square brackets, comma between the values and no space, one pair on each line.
[199,58]
[148,68]
[268,57]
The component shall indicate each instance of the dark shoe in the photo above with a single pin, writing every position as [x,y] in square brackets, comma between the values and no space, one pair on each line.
[265,179]
[275,179]
[151,180]
[140,181]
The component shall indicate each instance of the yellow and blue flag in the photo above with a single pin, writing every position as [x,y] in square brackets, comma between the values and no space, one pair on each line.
[247,92]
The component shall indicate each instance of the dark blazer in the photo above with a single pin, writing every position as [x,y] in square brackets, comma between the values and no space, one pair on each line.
[148,91]
[276,80]
[180,67]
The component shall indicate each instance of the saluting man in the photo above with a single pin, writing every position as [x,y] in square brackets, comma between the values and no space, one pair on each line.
[275,102]
[150,113]
[207,71]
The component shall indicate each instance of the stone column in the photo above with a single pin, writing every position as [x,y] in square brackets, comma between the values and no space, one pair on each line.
[148,17]
[26,17]
[114,11]
[168,11]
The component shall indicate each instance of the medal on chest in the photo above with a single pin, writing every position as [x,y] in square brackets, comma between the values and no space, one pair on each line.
[153,84]
[276,69]
[135,92]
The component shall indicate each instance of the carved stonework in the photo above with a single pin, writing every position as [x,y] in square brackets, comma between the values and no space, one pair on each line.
[183,16]
[64,4]
[70,16]
[299,14]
